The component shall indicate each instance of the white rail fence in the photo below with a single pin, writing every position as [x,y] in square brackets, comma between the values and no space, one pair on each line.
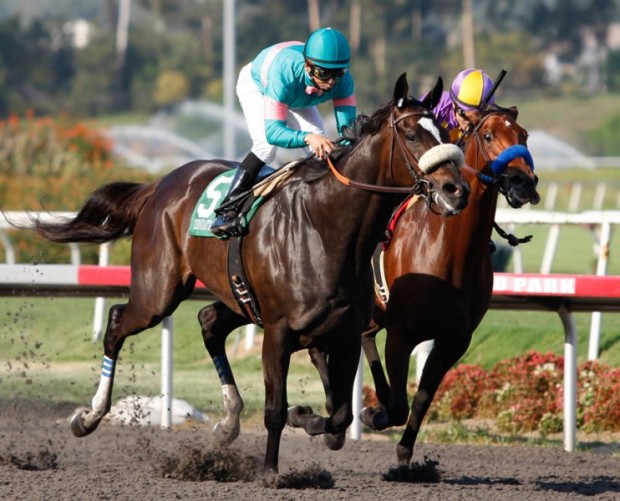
[599,223]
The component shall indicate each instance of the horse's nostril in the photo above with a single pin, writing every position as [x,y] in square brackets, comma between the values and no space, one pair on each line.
[517,181]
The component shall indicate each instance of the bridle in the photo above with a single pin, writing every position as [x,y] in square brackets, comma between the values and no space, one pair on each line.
[498,165]
[420,186]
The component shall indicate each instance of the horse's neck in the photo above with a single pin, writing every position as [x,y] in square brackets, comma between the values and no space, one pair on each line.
[480,209]
[358,216]
[450,248]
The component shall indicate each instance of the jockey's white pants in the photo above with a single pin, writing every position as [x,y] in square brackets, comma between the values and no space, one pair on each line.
[253,105]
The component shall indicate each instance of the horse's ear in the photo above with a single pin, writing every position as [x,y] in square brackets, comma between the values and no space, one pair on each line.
[514,111]
[401,90]
[432,98]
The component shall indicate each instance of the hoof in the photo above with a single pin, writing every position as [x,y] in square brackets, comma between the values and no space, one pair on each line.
[79,427]
[270,478]
[335,442]
[297,414]
[225,434]
[375,418]
[404,455]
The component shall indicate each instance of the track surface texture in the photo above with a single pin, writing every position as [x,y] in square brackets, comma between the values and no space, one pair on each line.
[40,459]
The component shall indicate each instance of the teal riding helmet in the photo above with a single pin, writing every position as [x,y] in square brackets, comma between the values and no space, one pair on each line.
[328,48]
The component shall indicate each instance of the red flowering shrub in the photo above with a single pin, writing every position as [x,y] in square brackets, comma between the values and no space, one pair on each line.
[459,393]
[525,393]
[46,146]
[53,164]
[369,397]
[528,393]
[598,398]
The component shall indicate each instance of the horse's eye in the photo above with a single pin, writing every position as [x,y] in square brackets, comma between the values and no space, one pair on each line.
[488,137]
[411,136]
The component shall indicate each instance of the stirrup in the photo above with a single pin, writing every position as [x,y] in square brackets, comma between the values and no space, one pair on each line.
[226,225]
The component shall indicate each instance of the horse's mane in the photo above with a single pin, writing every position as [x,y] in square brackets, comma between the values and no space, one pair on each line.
[362,126]
[365,125]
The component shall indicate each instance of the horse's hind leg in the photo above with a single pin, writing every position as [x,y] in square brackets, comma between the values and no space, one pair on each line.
[369,344]
[337,370]
[319,360]
[121,323]
[217,322]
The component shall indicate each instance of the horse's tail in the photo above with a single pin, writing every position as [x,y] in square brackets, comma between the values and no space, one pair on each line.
[109,213]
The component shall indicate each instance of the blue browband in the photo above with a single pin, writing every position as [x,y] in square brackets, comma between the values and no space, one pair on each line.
[508,155]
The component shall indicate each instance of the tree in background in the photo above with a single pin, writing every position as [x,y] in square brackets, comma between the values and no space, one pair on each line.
[42,70]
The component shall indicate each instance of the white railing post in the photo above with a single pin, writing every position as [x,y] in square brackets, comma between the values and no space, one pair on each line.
[551,196]
[570,378]
[357,402]
[604,243]
[250,336]
[9,252]
[100,301]
[422,352]
[550,247]
[166,372]
[575,197]
[599,196]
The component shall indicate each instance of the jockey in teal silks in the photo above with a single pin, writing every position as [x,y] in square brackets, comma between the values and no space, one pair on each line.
[278,92]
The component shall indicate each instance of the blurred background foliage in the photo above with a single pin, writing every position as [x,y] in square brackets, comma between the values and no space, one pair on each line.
[61,59]
[174,48]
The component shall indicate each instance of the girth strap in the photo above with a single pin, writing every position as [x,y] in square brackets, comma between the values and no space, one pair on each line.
[381,288]
[239,283]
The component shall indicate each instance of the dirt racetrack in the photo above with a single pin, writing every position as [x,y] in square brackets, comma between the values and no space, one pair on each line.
[41,460]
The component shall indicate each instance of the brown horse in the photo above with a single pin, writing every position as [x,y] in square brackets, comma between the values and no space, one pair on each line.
[307,258]
[439,275]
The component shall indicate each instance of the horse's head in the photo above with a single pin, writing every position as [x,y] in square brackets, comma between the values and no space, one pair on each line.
[421,152]
[497,149]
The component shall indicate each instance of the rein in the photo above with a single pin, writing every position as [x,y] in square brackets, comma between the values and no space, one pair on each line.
[414,170]
[363,186]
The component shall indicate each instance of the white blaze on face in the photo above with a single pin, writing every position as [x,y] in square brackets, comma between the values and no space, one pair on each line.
[430,126]
[508,124]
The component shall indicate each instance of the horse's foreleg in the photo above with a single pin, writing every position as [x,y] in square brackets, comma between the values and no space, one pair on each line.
[276,363]
[440,360]
[85,421]
[217,322]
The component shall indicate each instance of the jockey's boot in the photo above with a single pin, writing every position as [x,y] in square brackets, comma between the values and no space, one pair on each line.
[225,225]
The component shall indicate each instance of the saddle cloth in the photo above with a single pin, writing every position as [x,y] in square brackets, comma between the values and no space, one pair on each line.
[204,213]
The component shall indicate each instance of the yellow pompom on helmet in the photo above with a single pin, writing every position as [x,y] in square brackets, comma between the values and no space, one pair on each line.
[469,89]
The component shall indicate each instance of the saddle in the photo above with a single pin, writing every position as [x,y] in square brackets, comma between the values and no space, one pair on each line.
[204,215]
